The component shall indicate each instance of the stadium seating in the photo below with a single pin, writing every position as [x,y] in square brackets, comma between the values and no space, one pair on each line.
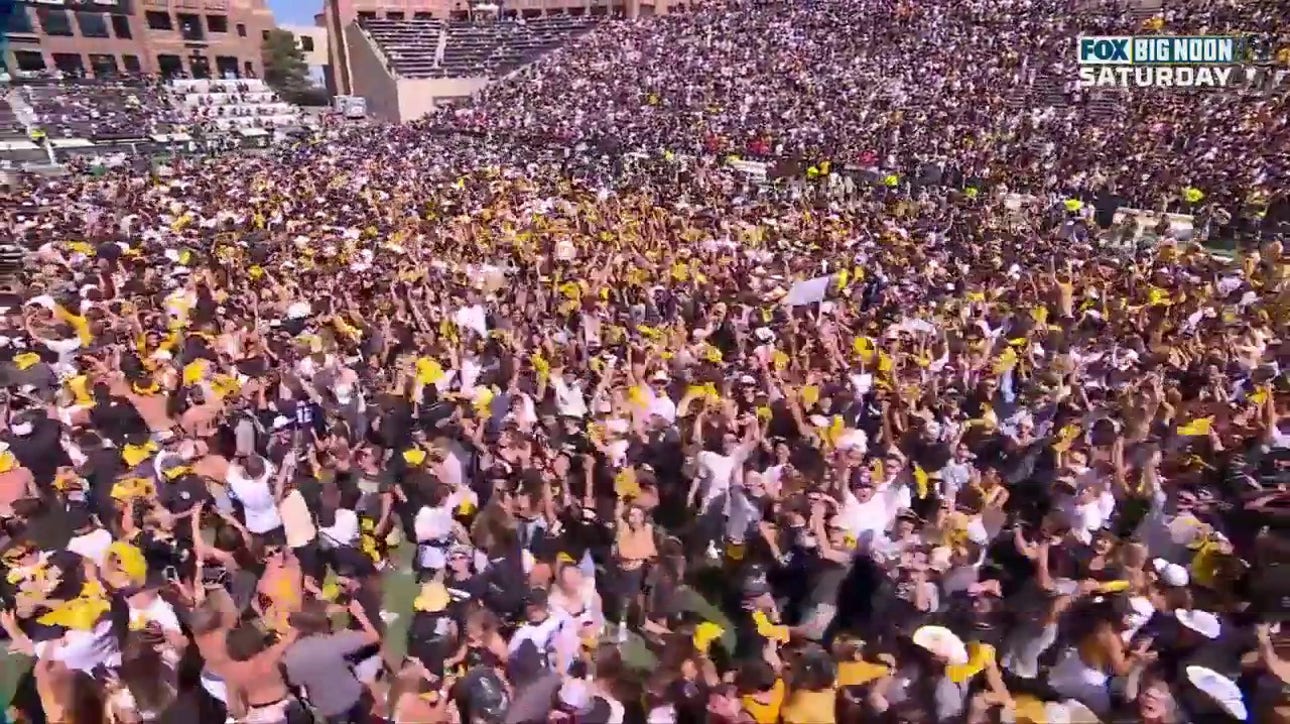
[231,104]
[434,49]
[409,45]
[99,109]
[10,126]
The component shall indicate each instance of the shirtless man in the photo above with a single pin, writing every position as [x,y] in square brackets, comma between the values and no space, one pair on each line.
[240,669]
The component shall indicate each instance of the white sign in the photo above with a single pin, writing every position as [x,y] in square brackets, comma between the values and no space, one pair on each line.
[809,291]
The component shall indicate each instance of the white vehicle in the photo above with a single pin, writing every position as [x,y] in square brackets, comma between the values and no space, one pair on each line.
[351,106]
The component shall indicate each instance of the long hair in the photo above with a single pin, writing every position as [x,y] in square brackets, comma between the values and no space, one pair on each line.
[85,703]
[148,677]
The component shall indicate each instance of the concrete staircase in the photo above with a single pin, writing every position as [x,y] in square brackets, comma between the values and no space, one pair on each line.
[21,109]
[443,43]
[1101,104]
[1018,99]
[1049,90]
[1142,10]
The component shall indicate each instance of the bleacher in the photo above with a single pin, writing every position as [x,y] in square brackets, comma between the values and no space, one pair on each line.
[10,126]
[231,104]
[435,49]
[99,110]
[409,45]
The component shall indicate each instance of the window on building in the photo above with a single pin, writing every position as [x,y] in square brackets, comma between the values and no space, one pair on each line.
[366,15]
[132,65]
[158,20]
[170,65]
[121,26]
[29,60]
[217,23]
[241,30]
[93,25]
[69,63]
[54,21]
[19,21]
[264,35]
[190,26]
[248,68]
[423,16]
[226,66]
[394,16]
[201,66]
[104,66]
[306,43]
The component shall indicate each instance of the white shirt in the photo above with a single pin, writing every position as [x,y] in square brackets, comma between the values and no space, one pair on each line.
[719,471]
[85,650]
[342,532]
[158,612]
[568,398]
[297,521]
[92,545]
[259,507]
[953,477]
[870,519]
[555,636]
[435,523]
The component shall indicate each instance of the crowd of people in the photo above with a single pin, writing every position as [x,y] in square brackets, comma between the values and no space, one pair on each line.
[80,109]
[106,109]
[953,84]
[648,439]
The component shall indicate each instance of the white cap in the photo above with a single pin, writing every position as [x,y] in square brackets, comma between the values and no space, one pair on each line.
[298,310]
[853,440]
[1171,574]
[574,694]
[1202,622]
[941,642]
[1221,689]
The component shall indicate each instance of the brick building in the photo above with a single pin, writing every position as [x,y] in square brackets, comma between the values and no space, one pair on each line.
[200,38]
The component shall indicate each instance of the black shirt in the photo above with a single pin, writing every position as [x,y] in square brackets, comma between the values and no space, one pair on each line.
[42,451]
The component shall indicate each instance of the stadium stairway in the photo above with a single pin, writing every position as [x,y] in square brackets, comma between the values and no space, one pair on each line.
[1143,10]
[17,113]
[1018,99]
[1049,90]
[443,43]
[1102,104]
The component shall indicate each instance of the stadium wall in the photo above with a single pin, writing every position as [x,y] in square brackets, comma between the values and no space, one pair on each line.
[392,98]
[419,96]
[371,78]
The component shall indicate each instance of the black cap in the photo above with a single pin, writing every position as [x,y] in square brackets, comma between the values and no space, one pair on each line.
[79,517]
[535,597]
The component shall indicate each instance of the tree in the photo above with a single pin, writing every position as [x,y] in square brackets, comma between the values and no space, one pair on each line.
[285,69]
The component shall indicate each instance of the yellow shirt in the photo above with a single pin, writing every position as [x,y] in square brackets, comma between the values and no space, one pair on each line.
[811,707]
[765,713]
